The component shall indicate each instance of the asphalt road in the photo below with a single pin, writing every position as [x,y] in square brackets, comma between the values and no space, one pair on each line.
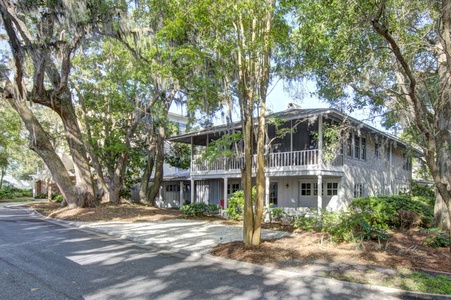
[43,260]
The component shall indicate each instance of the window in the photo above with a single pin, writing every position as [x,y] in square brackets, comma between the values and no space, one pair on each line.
[407,163]
[377,150]
[273,190]
[306,189]
[363,148]
[356,147]
[173,188]
[232,188]
[315,189]
[332,188]
[358,190]
[349,144]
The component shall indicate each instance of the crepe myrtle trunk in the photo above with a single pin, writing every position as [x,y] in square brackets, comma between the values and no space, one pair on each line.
[248,218]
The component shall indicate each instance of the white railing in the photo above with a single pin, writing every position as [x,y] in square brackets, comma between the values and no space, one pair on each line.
[300,159]
[294,158]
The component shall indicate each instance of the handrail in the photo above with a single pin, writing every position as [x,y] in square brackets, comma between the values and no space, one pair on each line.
[273,160]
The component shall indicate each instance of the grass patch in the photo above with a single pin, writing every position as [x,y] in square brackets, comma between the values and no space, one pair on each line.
[20,199]
[403,279]
[422,282]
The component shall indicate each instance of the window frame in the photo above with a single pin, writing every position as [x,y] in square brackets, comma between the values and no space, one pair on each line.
[306,189]
[273,192]
[332,188]
[359,190]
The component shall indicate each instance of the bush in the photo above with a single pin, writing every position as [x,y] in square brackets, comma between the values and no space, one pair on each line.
[235,205]
[342,226]
[41,196]
[437,238]
[424,191]
[7,192]
[199,209]
[384,211]
[307,222]
[57,198]
[276,213]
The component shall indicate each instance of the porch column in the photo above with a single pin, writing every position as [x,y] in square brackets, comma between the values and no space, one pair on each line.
[267,191]
[160,195]
[192,154]
[192,191]
[225,193]
[320,193]
[181,194]
[392,188]
[320,142]
[341,193]
[291,136]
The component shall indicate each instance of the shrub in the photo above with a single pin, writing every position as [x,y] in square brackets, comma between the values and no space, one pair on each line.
[199,209]
[57,198]
[235,208]
[235,205]
[342,226]
[213,208]
[7,192]
[41,196]
[384,211]
[424,191]
[306,223]
[274,213]
[436,238]
[194,209]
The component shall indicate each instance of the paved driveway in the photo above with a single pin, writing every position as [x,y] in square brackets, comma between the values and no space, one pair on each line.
[182,235]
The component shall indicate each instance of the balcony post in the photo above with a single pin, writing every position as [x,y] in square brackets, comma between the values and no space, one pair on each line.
[192,155]
[267,191]
[192,191]
[320,193]
[320,142]
[181,194]
[225,193]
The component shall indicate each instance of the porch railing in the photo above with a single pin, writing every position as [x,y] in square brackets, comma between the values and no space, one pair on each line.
[304,158]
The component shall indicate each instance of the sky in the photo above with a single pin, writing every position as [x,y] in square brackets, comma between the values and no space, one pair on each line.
[303,95]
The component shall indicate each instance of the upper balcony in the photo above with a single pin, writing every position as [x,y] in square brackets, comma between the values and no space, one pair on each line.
[276,164]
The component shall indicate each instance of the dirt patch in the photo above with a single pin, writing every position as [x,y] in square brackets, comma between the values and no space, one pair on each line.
[107,212]
[403,250]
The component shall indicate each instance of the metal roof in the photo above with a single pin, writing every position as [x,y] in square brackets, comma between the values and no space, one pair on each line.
[200,136]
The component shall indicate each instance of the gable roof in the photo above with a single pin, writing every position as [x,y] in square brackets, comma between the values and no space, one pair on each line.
[200,136]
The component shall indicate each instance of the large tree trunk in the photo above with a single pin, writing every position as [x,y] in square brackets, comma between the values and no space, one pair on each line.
[34,46]
[158,178]
[440,163]
[1,178]
[441,214]
[434,122]
[40,143]
[84,184]
[114,189]
[144,188]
